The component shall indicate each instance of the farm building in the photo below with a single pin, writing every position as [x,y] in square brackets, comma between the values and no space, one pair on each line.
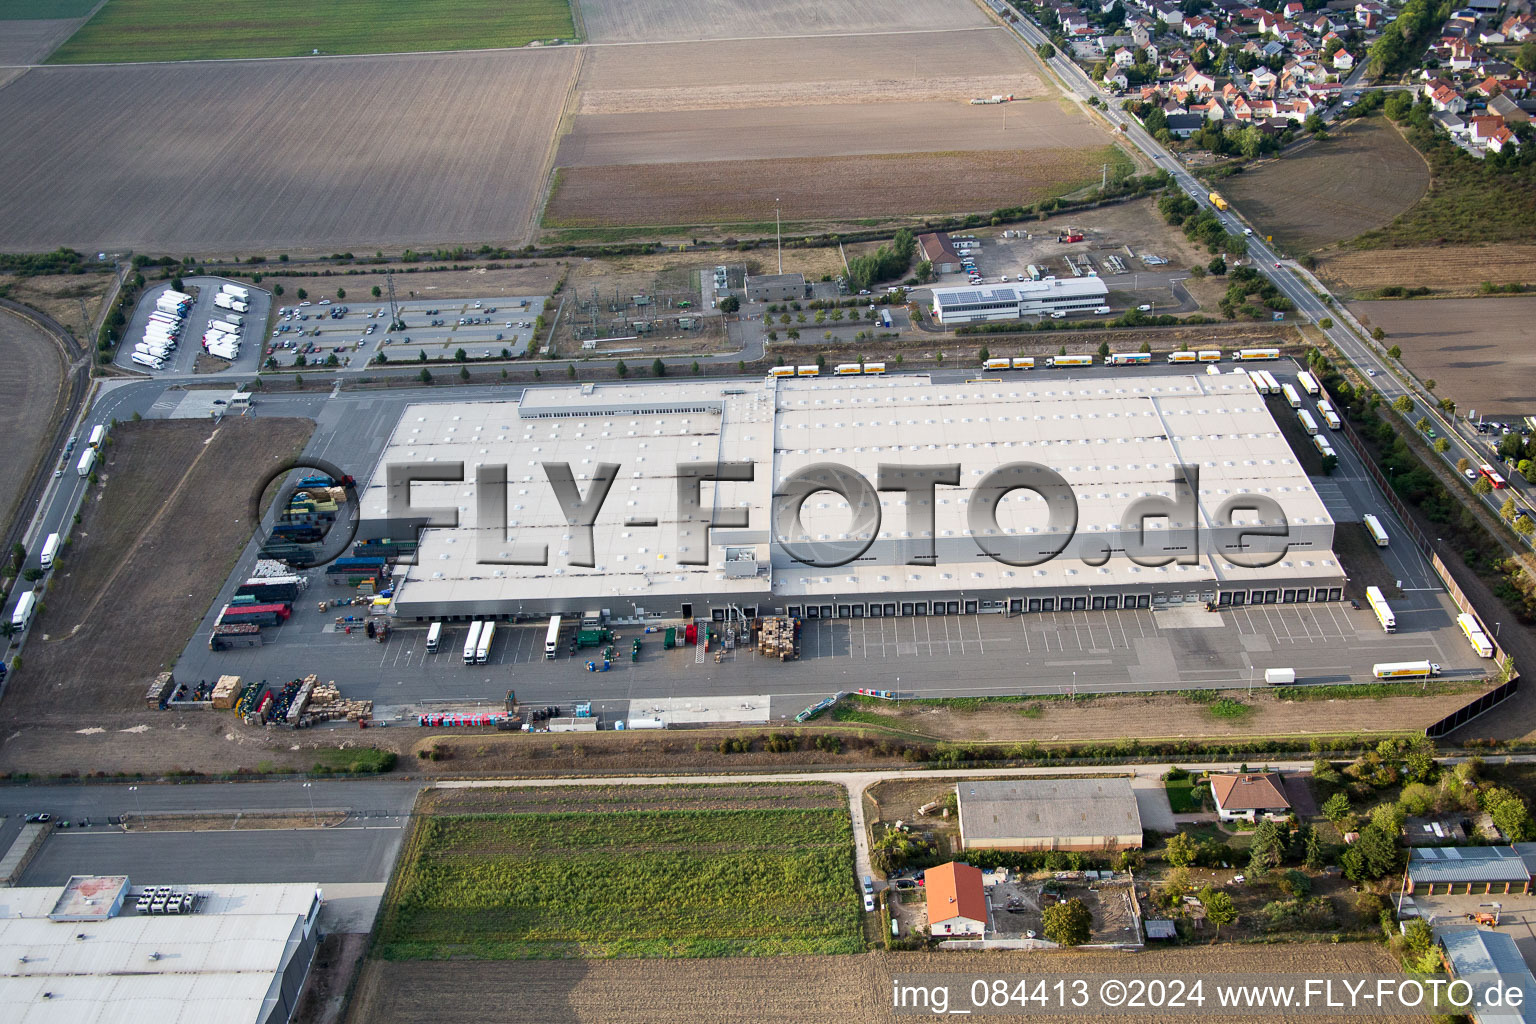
[776,288]
[1469,869]
[936,249]
[1250,796]
[1485,958]
[971,305]
[957,900]
[1110,439]
[241,954]
[1049,814]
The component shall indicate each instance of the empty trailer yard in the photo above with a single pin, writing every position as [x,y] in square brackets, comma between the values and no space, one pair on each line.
[328,153]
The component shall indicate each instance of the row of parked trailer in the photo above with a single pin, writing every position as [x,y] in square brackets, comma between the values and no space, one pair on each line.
[26,605]
[840,370]
[163,329]
[222,338]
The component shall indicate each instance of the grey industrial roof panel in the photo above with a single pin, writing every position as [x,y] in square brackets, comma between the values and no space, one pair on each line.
[1030,808]
[1443,864]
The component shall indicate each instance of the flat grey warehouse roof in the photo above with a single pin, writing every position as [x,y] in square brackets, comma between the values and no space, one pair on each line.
[1042,808]
[1115,441]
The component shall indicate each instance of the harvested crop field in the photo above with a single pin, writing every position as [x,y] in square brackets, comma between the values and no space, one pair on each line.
[33,395]
[887,185]
[794,990]
[156,30]
[1454,270]
[30,41]
[157,537]
[943,67]
[1481,352]
[783,133]
[1326,192]
[625,21]
[672,875]
[331,154]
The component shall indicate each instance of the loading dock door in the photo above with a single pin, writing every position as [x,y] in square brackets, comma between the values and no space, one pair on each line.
[826,611]
[890,608]
[970,607]
[1047,604]
[844,611]
[906,607]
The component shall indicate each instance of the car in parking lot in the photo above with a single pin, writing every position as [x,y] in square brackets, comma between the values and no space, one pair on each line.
[869,904]
[306,302]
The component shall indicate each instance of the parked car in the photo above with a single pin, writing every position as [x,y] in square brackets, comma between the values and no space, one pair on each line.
[39,819]
[1145,307]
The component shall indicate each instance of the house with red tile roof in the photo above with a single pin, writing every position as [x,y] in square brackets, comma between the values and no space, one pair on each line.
[1250,795]
[957,900]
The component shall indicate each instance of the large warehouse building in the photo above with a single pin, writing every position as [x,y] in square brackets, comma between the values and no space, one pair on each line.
[1116,443]
[1049,814]
[238,954]
[971,305]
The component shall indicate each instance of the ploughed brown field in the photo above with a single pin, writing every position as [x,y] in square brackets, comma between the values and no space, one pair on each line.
[812,188]
[1457,270]
[628,21]
[1480,352]
[157,536]
[1330,191]
[33,395]
[329,153]
[946,67]
[796,990]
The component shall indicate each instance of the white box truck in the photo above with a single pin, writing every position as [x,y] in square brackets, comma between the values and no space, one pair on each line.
[50,550]
[238,292]
[21,618]
[144,359]
[483,645]
[98,435]
[87,462]
[552,638]
[1279,676]
[472,642]
[434,637]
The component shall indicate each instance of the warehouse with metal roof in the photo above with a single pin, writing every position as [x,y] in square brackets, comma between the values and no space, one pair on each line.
[1162,485]
[1467,869]
[1485,959]
[241,953]
[979,304]
[1049,814]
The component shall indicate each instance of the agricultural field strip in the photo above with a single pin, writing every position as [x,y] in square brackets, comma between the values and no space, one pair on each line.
[489,50]
[673,881]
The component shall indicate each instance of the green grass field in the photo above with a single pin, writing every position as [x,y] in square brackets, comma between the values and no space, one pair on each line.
[164,30]
[1182,796]
[37,10]
[673,882]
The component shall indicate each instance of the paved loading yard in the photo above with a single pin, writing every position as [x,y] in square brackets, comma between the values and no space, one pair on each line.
[1114,651]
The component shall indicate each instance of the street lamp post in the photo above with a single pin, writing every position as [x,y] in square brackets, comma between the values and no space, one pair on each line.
[137,802]
[312,812]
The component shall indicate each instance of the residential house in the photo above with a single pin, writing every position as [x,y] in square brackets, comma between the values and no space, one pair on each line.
[1446,98]
[1117,81]
[1197,80]
[1242,110]
[1463,55]
[957,900]
[1211,110]
[1226,37]
[1296,110]
[1505,106]
[1517,28]
[1270,24]
[1485,6]
[1450,121]
[1343,60]
[1501,138]
[1200,27]
[939,251]
[1485,126]
[1152,52]
[1489,37]
[1261,108]
[1262,80]
[1294,8]
[1252,15]
[1140,35]
[1171,15]
[1371,21]
[1182,126]
[1272,51]
[1317,24]
[1108,44]
[1075,24]
[1247,796]
[1124,58]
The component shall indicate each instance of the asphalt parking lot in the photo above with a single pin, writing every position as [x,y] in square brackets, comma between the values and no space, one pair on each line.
[934,656]
[183,359]
[483,327]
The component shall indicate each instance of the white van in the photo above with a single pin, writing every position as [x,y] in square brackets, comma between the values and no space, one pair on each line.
[434,637]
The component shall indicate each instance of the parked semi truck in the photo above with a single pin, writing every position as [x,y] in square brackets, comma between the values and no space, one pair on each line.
[230,302]
[472,642]
[243,294]
[483,644]
[1475,635]
[21,617]
[1378,603]
[1406,670]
